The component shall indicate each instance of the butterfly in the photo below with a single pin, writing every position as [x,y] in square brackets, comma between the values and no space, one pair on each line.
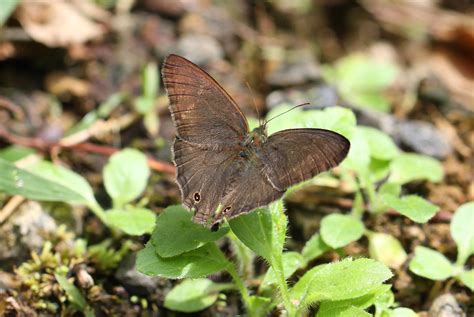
[223,169]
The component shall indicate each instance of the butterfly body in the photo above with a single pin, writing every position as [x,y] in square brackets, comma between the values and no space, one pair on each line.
[223,169]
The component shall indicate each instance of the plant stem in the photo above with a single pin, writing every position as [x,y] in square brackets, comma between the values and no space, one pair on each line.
[277,265]
[231,269]
[99,212]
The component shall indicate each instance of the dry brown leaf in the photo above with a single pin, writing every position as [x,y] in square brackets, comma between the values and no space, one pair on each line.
[57,23]
[60,83]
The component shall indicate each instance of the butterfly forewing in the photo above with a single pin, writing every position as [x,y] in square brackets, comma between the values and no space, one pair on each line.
[201,109]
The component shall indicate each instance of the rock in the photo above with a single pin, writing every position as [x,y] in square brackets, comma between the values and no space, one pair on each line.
[135,282]
[200,49]
[24,232]
[446,306]
[423,137]
[299,69]
[319,96]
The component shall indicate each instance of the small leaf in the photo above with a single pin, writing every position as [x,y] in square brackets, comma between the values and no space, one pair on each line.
[193,295]
[341,280]
[408,167]
[255,231]
[431,264]
[414,207]
[339,230]
[66,178]
[358,158]
[260,306]
[176,233]
[403,312]
[291,262]
[14,153]
[348,311]
[462,231]
[17,181]
[380,144]
[467,277]
[197,263]
[73,293]
[387,249]
[126,176]
[132,221]
[314,247]
[8,6]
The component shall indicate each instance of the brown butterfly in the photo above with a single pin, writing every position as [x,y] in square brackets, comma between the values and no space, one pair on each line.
[225,170]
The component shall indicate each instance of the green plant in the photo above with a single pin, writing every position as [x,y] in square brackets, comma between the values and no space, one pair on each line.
[125,177]
[435,266]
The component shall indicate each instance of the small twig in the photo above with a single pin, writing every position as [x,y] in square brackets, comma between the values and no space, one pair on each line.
[10,207]
[12,107]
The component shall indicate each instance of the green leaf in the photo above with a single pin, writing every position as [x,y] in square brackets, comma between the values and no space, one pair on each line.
[339,230]
[467,277]
[279,226]
[314,247]
[6,9]
[403,312]
[16,181]
[381,146]
[260,306]
[414,207]
[291,262]
[14,153]
[348,311]
[462,231]
[362,302]
[193,295]
[431,264]
[176,233]
[255,231]
[201,262]
[132,221]
[408,167]
[358,158]
[73,293]
[126,176]
[65,177]
[341,280]
[387,249]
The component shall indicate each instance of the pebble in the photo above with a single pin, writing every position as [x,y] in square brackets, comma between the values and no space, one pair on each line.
[446,306]
[199,48]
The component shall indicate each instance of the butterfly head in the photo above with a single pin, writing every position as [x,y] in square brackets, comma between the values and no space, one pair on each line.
[259,135]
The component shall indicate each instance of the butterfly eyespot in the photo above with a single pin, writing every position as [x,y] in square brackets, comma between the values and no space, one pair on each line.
[242,154]
[227,209]
[197,197]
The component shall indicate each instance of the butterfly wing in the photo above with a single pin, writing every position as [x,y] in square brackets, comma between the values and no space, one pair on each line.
[203,176]
[294,155]
[202,110]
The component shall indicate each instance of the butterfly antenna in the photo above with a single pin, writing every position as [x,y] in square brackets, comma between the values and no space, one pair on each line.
[254,103]
[301,105]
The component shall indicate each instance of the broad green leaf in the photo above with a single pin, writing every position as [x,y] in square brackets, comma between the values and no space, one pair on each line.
[414,207]
[339,230]
[176,233]
[291,262]
[132,221]
[462,230]
[73,293]
[381,146]
[358,158]
[408,167]
[314,247]
[255,231]
[65,177]
[403,312]
[431,264]
[362,302]
[14,153]
[260,306]
[387,249]
[341,280]
[6,9]
[379,169]
[198,263]
[467,278]
[193,295]
[390,188]
[348,311]
[126,176]
[16,181]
